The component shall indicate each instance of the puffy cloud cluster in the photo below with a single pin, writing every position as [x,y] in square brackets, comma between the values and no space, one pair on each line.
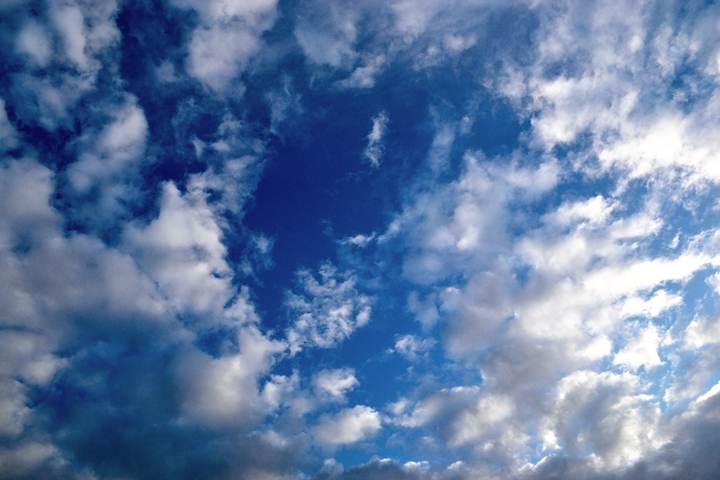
[544,310]
[62,50]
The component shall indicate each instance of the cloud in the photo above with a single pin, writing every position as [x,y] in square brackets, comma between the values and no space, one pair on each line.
[223,391]
[70,41]
[539,318]
[34,41]
[374,150]
[108,161]
[182,251]
[8,134]
[412,347]
[303,395]
[328,311]
[73,306]
[326,33]
[364,76]
[641,351]
[542,257]
[383,469]
[702,331]
[334,383]
[604,87]
[227,37]
[284,104]
[350,425]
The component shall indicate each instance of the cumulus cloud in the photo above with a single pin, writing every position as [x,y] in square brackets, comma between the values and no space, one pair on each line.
[540,263]
[223,391]
[334,383]
[350,425]
[71,42]
[227,37]
[182,250]
[117,145]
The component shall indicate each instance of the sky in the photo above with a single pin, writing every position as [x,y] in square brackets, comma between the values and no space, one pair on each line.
[342,240]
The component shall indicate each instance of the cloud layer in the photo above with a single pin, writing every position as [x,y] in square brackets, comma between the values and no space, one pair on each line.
[330,240]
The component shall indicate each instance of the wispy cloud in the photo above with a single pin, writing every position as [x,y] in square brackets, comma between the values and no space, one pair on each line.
[375,149]
[327,311]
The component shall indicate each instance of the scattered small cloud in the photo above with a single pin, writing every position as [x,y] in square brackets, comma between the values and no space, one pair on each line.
[375,149]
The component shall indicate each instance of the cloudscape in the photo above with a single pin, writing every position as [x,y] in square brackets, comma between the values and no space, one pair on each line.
[347,240]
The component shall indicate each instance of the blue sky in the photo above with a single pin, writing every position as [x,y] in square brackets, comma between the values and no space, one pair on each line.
[268,239]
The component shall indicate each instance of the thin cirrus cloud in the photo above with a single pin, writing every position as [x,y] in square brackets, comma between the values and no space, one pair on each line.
[374,150]
[211,268]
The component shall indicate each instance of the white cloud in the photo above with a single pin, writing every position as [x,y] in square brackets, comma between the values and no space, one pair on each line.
[364,75]
[327,36]
[68,19]
[334,383]
[50,102]
[226,39]
[251,11]
[441,407]
[350,425]
[374,150]
[412,347]
[594,212]
[359,240]
[29,458]
[182,250]
[13,411]
[76,39]
[223,391]
[641,350]
[652,307]
[627,424]
[544,304]
[217,54]
[702,331]
[614,69]
[325,387]
[328,311]
[112,156]
[533,291]
[27,356]
[460,225]
[284,104]
[425,310]
[34,41]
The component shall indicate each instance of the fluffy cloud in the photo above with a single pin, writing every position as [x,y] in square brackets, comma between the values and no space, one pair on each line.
[348,426]
[334,383]
[226,38]
[117,145]
[542,257]
[223,391]
[71,43]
